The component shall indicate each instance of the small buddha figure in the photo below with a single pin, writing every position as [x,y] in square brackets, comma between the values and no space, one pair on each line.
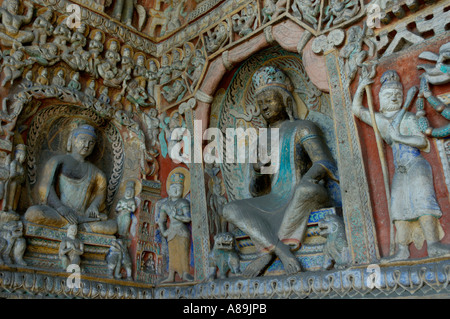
[108,69]
[177,64]
[42,79]
[61,36]
[11,23]
[13,66]
[124,208]
[59,78]
[95,48]
[165,71]
[195,70]
[188,54]
[127,63]
[153,78]
[74,83]
[42,27]
[103,97]
[140,70]
[78,39]
[276,217]
[27,81]
[72,190]
[90,89]
[177,209]
[71,248]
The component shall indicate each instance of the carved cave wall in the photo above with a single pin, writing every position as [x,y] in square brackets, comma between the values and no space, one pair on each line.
[365,210]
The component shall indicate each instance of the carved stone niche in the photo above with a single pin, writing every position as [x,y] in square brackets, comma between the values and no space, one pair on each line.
[236,107]
[47,137]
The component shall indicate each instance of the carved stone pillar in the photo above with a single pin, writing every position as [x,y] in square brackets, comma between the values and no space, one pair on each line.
[357,209]
[199,217]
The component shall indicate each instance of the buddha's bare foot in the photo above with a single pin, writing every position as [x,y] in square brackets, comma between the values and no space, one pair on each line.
[170,278]
[437,249]
[401,254]
[257,265]
[187,277]
[290,263]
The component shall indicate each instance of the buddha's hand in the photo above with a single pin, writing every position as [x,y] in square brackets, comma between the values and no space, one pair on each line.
[68,214]
[315,174]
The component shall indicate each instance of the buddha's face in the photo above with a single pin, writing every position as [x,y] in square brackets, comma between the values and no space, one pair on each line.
[13,7]
[140,60]
[19,55]
[83,144]
[53,49]
[271,104]
[391,99]
[165,60]
[98,36]
[175,191]
[72,231]
[20,156]
[187,50]
[129,192]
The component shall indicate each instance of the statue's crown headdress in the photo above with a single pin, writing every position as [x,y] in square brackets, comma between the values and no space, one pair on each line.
[84,129]
[390,79]
[177,178]
[268,76]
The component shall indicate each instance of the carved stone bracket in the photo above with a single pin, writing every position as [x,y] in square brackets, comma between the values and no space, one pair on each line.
[326,43]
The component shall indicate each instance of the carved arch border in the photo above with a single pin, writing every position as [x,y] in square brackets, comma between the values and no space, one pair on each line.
[290,36]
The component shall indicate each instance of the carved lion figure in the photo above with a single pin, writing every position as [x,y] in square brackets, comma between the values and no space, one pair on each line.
[336,249]
[224,256]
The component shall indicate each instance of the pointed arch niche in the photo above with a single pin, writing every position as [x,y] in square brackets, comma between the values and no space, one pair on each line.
[326,75]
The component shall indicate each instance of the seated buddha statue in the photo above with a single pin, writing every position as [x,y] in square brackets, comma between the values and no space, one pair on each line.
[72,190]
[276,217]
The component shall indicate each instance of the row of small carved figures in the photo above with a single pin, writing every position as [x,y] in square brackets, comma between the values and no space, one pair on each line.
[46,53]
[245,22]
[13,246]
